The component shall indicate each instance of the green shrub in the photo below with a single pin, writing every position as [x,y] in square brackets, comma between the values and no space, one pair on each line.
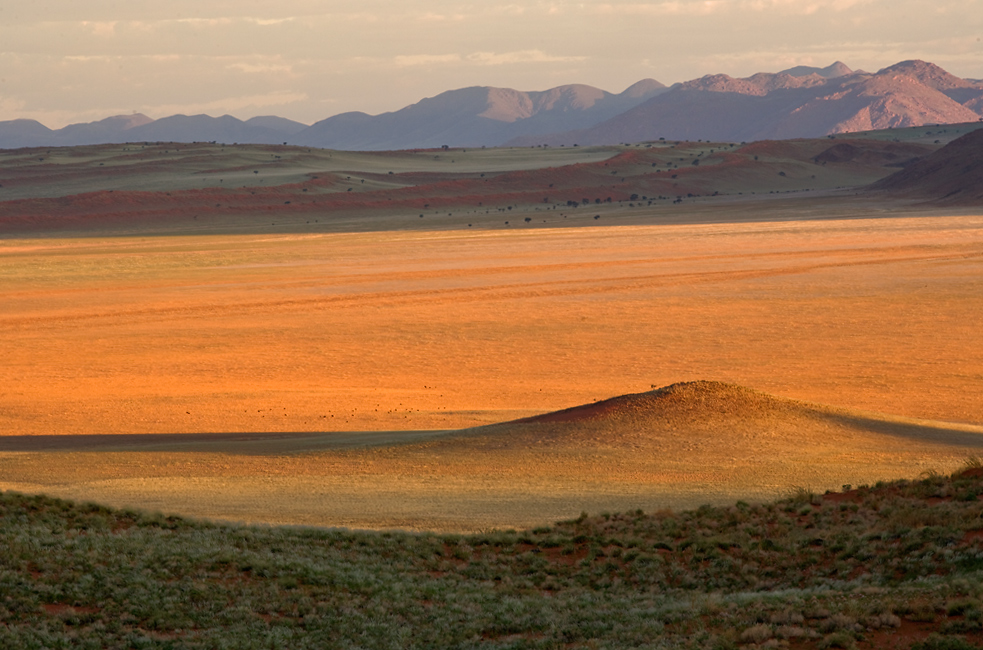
[944,642]
[837,640]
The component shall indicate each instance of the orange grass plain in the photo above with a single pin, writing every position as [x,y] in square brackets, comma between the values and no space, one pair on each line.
[436,330]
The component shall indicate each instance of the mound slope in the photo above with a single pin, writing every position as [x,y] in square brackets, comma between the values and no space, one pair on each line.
[952,175]
[678,446]
[714,432]
[682,403]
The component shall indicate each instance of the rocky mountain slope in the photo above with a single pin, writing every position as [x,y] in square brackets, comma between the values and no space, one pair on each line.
[800,102]
[477,116]
[783,105]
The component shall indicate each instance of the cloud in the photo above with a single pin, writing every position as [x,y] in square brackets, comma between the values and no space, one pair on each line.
[710,7]
[484,58]
[409,60]
[104,29]
[117,58]
[201,23]
[261,68]
[265,22]
[228,104]
[523,56]
[11,106]
[800,7]
[89,58]
[430,17]
[516,10]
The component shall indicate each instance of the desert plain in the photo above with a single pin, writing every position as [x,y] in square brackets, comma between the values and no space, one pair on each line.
[290,336]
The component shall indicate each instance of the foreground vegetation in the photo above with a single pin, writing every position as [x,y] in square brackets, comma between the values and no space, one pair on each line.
[891,565]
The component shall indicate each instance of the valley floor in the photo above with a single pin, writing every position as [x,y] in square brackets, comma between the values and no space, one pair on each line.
[836,302]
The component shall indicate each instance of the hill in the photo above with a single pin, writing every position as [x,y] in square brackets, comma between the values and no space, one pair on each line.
[478,116]
[723,425]
[800,102]
[679,446]
[837,69]
[893,565]
[951,175]
[16,134]
[167,185]
[783,105]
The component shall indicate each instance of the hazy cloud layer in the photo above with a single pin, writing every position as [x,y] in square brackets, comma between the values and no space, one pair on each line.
[64,61]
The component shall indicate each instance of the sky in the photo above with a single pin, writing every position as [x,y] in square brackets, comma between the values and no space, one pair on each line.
[65,61]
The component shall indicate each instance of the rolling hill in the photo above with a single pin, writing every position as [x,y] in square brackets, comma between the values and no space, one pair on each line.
[721,424]
[896,565]
[680,445]
[170,185]
[951,175]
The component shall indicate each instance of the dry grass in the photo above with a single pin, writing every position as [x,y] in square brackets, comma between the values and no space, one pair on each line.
[375,320]
[679,446]
[896,565]
[442,330]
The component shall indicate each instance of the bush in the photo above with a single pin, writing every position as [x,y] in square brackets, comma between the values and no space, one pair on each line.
[944,642]
[756,634]
[837,640]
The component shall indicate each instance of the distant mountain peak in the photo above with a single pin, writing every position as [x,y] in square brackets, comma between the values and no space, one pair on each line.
[276,123]
[927,73]
[723,83]
[778,106]
[643,88]
[126,122]
[803,101]
[913,66]
[838,69]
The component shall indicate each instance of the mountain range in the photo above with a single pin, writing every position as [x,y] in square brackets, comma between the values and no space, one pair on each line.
[800,102]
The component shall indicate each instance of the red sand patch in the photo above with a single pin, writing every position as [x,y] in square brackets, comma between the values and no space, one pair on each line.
[638,173]
[57,609]
[851,496]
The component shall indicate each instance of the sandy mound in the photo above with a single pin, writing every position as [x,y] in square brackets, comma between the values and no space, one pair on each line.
[678,446]
[952,175]
[687,401]
[719,420]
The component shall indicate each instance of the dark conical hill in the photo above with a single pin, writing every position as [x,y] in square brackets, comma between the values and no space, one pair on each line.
[953,174]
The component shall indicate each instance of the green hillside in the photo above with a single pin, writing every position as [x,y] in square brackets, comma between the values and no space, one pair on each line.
[893,565]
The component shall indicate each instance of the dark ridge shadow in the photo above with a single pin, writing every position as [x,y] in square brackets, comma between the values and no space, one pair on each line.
[258,443]
[932,433]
